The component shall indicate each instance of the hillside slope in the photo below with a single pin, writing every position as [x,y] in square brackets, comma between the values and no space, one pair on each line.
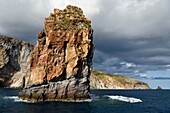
[101,80]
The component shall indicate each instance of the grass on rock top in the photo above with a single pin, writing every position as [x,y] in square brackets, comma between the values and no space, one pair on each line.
[70,18]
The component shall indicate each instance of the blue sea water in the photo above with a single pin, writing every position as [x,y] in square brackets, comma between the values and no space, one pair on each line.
[103,101]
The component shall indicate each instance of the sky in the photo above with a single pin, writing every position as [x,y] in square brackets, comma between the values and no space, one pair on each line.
[131,37]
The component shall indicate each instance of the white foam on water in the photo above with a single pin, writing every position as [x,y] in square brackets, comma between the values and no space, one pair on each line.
[16,99]
[86,100]
[94,97]
[124,99]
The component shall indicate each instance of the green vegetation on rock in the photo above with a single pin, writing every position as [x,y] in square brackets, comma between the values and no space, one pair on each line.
[70,18]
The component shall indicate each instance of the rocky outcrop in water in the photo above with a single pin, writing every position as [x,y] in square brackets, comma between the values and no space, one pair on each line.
[61,62]
[101,80]
[159,88]
[14,61]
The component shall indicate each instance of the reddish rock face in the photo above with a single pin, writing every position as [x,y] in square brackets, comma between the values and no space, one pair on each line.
[63,54]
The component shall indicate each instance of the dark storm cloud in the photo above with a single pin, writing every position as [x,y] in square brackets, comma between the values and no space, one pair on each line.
[135,50]
[131,36]
[132,56]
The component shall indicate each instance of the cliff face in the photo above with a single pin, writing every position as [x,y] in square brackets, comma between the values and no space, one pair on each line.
[14,61]
[101,80]
[61,61]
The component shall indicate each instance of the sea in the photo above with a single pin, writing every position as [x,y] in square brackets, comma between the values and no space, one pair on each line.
[102,101]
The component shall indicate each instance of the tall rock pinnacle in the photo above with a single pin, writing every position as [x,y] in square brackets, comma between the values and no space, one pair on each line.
[61,61]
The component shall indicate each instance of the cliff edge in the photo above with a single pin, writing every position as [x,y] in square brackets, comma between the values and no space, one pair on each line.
[61,61]
[101,80]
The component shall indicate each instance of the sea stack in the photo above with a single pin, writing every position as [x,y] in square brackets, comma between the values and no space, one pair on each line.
[61,62]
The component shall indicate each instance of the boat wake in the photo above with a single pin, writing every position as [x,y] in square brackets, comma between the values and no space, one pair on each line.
[124,99]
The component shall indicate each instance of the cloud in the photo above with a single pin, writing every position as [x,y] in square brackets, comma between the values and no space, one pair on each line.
[22,19]
[131,36]
[134,18]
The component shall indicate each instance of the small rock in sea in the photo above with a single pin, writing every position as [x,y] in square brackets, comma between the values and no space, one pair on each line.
[159,88]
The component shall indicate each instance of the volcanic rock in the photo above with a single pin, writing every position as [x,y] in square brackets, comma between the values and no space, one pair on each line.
[61,61]
[14,61]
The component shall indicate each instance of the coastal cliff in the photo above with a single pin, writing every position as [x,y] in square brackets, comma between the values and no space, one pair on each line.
[61,61]
[101,80]
[14,77]
[14,61]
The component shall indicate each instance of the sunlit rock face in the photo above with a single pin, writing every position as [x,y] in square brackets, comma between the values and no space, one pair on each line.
[61,61]
[14,61]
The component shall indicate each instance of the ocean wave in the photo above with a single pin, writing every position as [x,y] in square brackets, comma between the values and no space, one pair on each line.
[124,99]
[16,99]
[86,100]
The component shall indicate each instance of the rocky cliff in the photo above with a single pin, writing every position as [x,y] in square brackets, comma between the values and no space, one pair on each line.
[15,65]
[14,61]
[101,80]
[61,61]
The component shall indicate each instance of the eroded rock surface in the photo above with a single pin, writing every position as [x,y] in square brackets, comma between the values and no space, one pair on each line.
[61,62]
[14,61]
